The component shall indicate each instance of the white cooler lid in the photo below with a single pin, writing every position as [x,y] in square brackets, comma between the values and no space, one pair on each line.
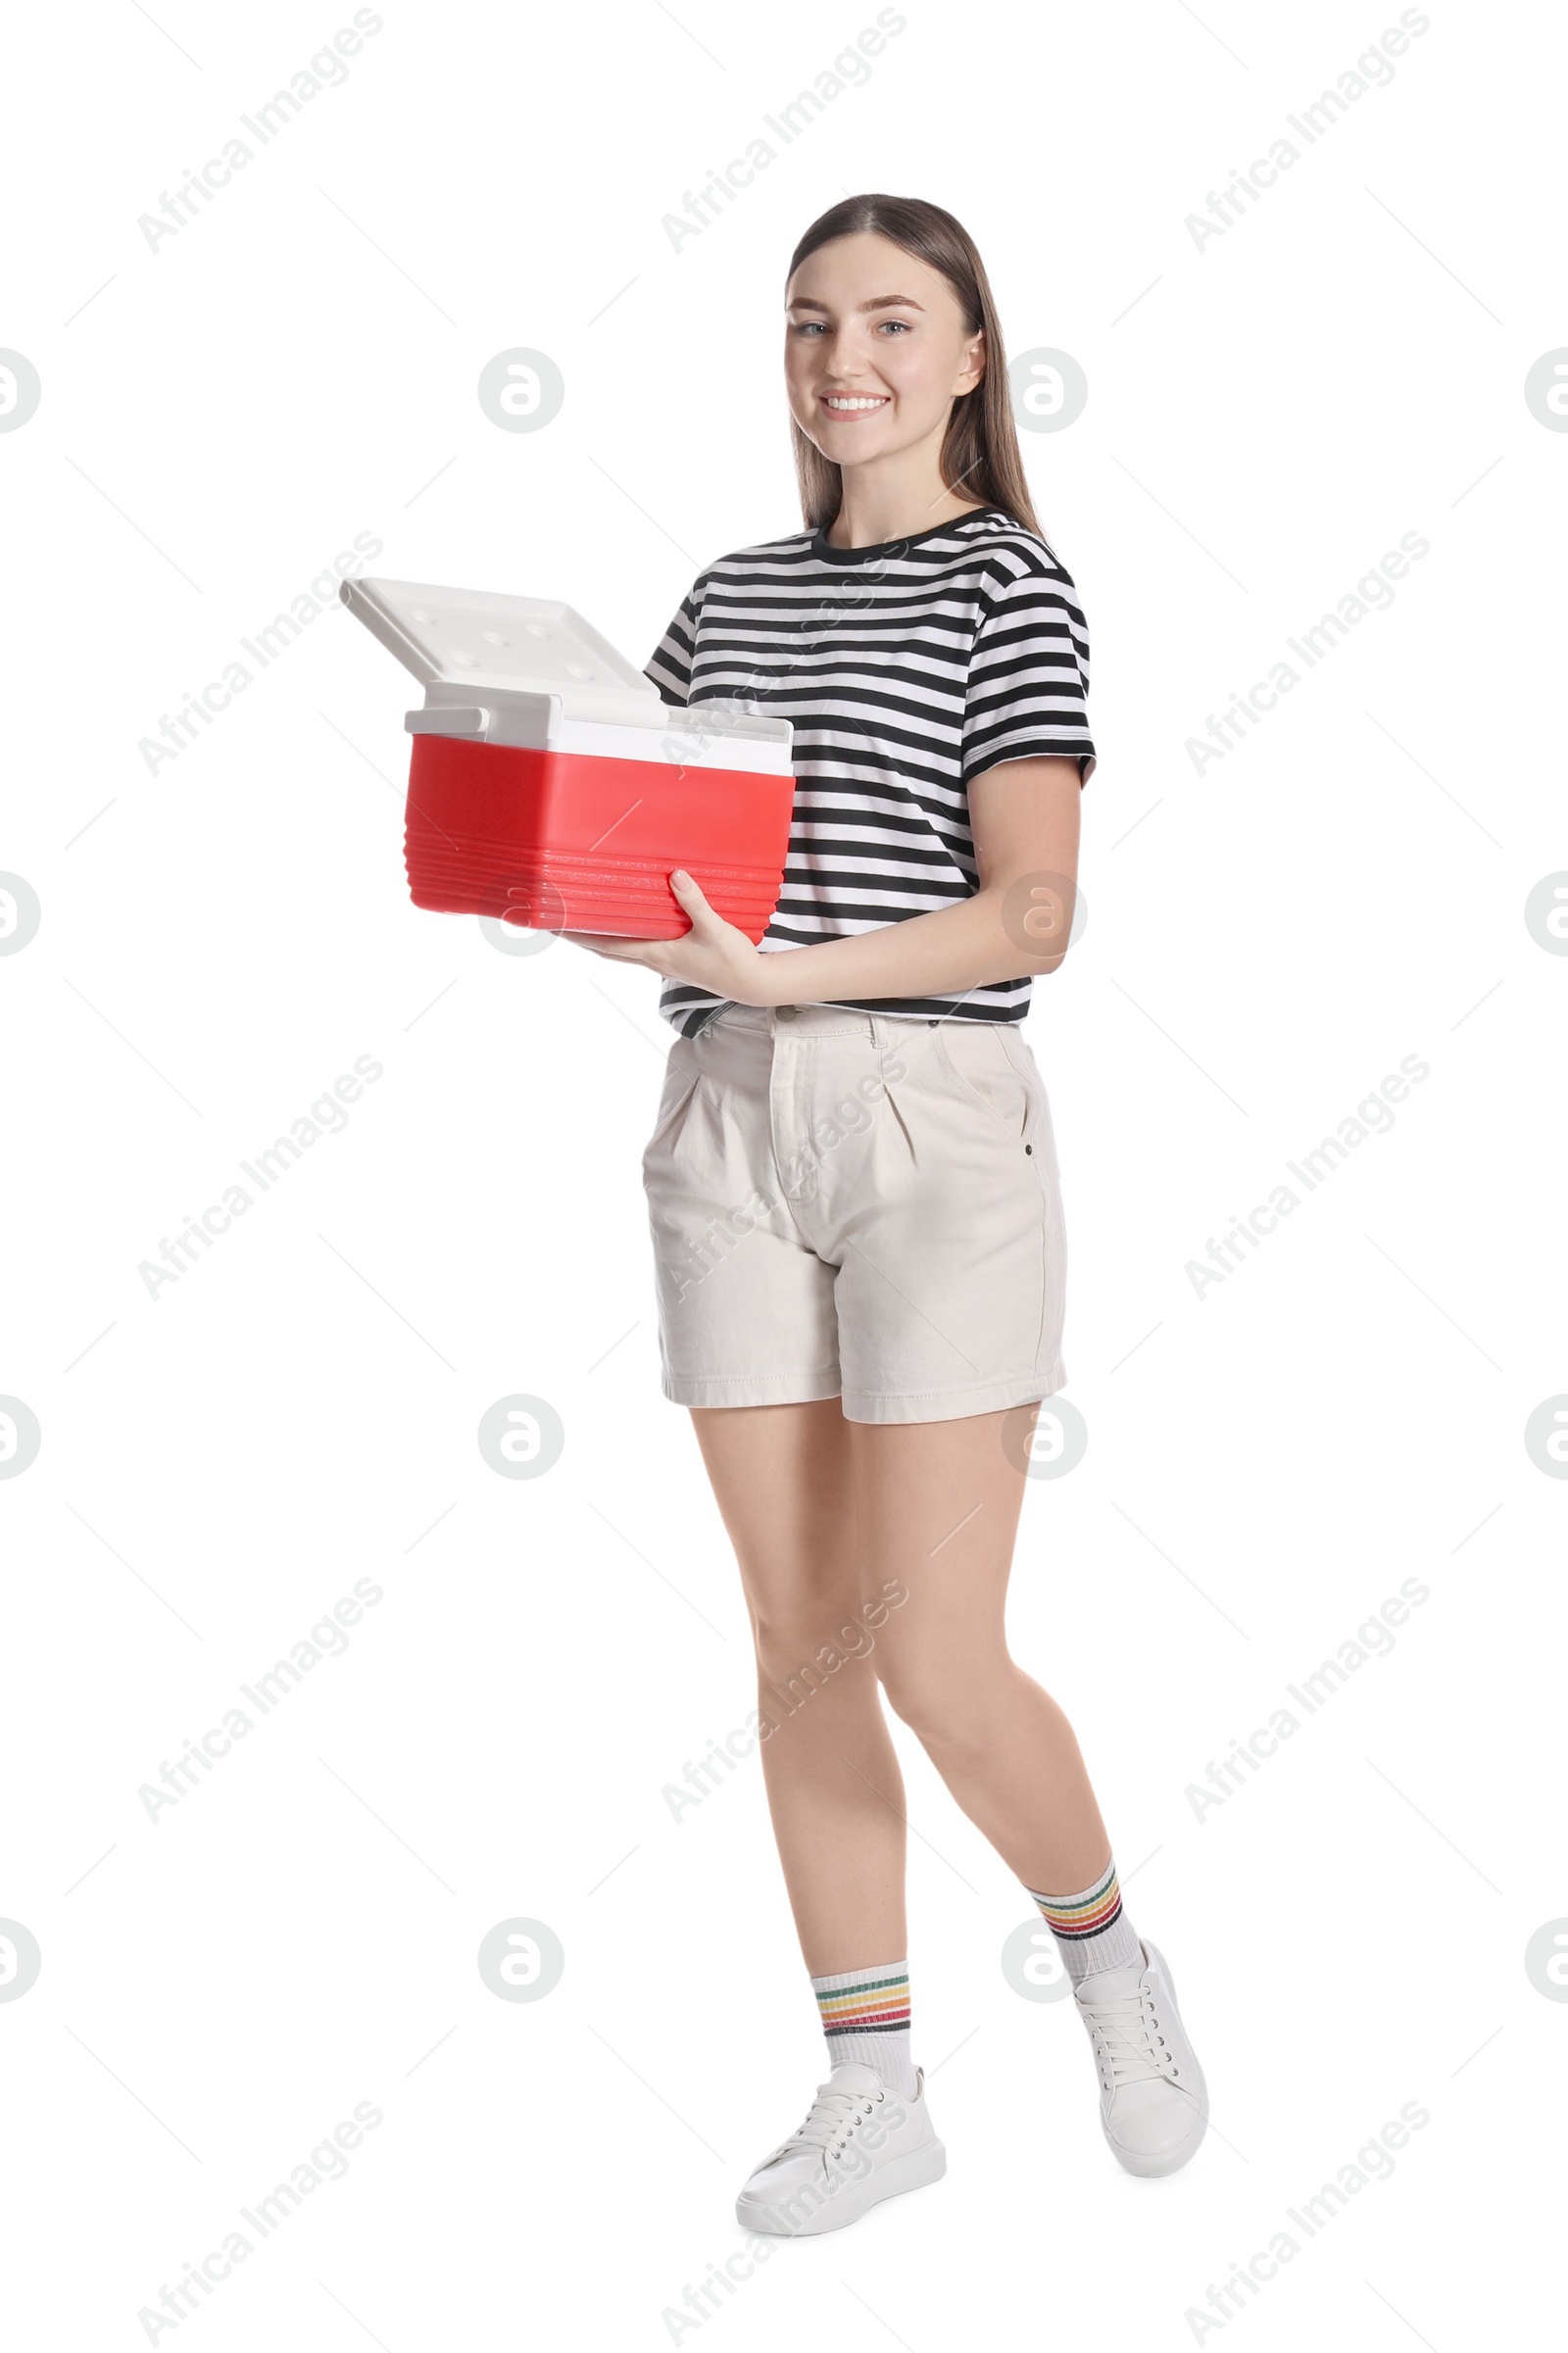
[474,637]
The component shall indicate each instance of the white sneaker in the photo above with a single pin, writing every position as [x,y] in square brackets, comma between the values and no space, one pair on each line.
[1154,2102]
[860,2141]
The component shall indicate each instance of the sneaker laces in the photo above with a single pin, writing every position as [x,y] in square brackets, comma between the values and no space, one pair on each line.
[1125,2031]
[829,2119]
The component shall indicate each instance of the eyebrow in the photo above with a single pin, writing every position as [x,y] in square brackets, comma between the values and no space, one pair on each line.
[878,302]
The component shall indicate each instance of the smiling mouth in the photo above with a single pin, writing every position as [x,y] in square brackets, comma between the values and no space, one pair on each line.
[853,404]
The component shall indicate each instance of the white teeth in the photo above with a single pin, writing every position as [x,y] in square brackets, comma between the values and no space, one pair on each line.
[856,403]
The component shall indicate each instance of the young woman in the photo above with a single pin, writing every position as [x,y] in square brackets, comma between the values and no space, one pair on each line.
[854,1189]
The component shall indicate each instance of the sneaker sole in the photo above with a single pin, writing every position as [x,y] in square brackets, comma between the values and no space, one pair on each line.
[847,2205]
[1155,2168]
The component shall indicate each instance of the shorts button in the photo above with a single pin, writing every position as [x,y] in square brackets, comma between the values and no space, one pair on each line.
[1028,1147]
[785,1013]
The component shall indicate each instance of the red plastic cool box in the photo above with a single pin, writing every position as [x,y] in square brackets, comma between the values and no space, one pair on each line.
[550,785]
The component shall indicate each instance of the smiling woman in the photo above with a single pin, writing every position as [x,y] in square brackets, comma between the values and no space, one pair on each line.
[862,1313]
[925,642]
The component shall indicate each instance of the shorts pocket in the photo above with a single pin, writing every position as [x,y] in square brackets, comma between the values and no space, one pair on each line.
[1041,1136]
[681,1082]
[976,1058]
[1040,1132]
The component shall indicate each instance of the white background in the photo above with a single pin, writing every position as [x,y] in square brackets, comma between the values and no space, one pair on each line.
[219,940]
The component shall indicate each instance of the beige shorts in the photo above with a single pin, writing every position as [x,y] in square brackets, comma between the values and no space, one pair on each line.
[856,1205]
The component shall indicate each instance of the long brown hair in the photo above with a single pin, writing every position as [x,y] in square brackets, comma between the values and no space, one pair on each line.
[980,454]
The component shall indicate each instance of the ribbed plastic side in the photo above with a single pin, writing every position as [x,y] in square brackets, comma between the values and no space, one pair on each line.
[583,843]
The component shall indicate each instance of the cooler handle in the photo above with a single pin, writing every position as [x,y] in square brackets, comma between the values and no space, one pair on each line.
[449,718]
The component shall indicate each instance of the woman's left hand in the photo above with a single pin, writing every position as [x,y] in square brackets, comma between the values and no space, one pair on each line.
[713,954]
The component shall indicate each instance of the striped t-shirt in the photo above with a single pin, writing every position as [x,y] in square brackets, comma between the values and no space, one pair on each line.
[907,669]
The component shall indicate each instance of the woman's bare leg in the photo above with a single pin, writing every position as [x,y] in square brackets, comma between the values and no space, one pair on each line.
[939,1506]
[782,1477]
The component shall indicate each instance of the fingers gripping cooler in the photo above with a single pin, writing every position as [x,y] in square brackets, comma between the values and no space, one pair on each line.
[550,785]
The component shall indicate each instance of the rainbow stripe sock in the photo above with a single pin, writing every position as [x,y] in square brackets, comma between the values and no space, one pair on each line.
[865,2017]
[1090,1928]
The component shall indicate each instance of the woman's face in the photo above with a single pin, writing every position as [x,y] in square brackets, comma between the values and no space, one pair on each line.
[867,320]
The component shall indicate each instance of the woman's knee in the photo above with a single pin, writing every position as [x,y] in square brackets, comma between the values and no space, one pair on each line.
[808,1641]
[949,1704]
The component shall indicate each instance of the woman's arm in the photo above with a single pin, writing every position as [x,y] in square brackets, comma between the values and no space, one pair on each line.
[1024,818]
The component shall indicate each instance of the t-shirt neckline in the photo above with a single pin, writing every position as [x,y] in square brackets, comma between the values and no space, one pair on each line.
[822,546]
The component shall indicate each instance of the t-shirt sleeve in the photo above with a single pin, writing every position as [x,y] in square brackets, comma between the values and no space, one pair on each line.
[1028,687]
[670,665]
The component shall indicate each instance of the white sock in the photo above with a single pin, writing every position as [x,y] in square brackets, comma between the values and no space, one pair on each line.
[1090,1928]
[865,2017]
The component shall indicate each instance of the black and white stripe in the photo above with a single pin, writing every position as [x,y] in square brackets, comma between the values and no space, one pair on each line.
[907,669]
